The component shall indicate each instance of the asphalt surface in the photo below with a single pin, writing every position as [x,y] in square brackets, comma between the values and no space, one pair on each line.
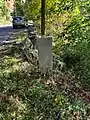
[5,32]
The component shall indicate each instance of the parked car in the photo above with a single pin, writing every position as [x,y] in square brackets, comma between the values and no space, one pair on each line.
[19,22]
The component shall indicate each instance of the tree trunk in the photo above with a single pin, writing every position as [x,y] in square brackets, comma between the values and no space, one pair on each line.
[42,17]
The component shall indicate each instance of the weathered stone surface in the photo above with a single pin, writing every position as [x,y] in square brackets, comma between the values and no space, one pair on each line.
[45,53]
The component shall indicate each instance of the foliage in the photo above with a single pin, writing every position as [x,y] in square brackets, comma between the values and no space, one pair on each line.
[4,13]
[24,96]
[70,29]
[29,9]
[2,8]
[77,110]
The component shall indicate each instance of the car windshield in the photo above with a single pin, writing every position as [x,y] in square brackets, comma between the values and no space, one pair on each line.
[17,18]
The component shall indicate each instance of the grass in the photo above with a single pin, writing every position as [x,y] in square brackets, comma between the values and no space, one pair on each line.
[26,95]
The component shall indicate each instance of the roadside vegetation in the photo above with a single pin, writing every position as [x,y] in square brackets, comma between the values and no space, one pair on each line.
[27,95]
[4,13]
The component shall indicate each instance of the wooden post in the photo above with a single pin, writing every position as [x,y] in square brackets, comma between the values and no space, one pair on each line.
[42,17]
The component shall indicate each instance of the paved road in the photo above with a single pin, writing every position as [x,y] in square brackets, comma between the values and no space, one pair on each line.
[5,32]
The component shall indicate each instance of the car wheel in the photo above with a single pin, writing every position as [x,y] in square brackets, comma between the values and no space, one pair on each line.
[23,26]
[14,26]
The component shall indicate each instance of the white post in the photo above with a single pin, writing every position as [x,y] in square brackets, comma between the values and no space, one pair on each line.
[45,53]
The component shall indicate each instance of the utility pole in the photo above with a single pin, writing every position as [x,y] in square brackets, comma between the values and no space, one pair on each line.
[42,17]
[44,45]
